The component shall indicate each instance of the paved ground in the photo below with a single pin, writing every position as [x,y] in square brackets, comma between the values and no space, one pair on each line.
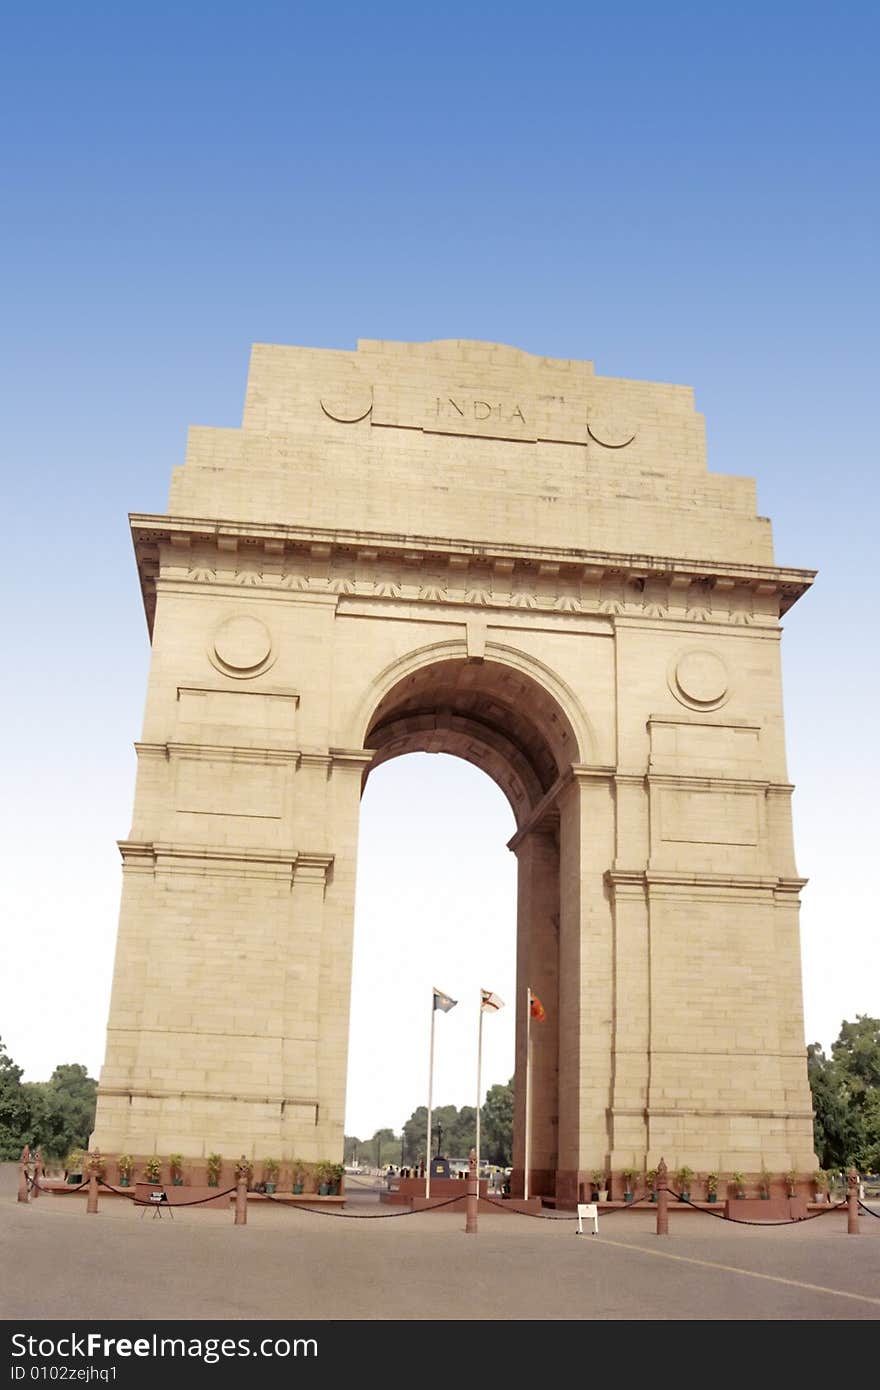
[293,1264]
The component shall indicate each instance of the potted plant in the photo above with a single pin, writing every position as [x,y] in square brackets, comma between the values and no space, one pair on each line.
[298,1169]
[820,1182]
[629,1176]
[651,1183]
[600,1192]
[153,1169]
[73,1165]
[684,1177]
[271,1169]
[712,1186]
[791,1178]
[215,1163]
[124,1167]
[764,1185]
[336,1175]
[738,1181]
[175,1162]
[323,1175]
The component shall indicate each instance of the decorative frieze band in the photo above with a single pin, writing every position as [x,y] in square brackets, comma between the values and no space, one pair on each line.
[456,572]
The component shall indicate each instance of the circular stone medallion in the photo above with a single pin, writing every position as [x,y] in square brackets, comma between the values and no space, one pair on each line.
[610,431]
[347,401]
[699,678]
[242,646]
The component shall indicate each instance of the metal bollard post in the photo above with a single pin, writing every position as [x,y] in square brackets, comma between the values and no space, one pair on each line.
[852,1203]
[662,1198]
[92,1200]
[473,1192]
[241,1194]
[38,1173]
[23,1195]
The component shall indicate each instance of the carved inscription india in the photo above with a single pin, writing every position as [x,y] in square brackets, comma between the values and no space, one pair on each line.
[465,408]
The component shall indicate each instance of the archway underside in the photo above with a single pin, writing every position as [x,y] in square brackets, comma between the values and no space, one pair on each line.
[499,719]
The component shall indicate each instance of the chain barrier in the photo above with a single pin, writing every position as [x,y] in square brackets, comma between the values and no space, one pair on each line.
[490,1201]
[361,1216]
[138,1202]
[740,1221]
[535,1215]
[546,1216]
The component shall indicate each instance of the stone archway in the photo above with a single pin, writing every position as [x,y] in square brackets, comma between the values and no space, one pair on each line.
[506,722]
[459,546]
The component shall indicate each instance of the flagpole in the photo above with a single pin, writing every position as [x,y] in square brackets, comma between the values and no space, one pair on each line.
[430,1099]
[479,1072]
[528,1156]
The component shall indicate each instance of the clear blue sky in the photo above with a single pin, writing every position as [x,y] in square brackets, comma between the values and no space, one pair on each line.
[683,193]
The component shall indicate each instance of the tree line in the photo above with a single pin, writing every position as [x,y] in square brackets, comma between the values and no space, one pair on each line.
[846,1097]
[453,1134]
[57,1115]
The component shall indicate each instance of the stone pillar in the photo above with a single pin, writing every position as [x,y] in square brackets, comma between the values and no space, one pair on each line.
[23,1195]
[586,977]
[473,1192]
[38,1174]
[537,969]
[662,1198]
[92,1199]
[241,1193]
[852,1203]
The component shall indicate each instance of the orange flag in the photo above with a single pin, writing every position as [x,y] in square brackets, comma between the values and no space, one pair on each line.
[538,1012]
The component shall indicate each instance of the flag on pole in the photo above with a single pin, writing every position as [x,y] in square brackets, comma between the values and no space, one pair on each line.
[491,1003]
[443,1001]
[536,1008]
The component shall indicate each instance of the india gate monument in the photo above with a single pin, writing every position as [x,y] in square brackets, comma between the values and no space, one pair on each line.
[457,547]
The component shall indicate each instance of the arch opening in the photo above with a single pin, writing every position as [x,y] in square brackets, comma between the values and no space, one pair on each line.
[501,719]
[436,906]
